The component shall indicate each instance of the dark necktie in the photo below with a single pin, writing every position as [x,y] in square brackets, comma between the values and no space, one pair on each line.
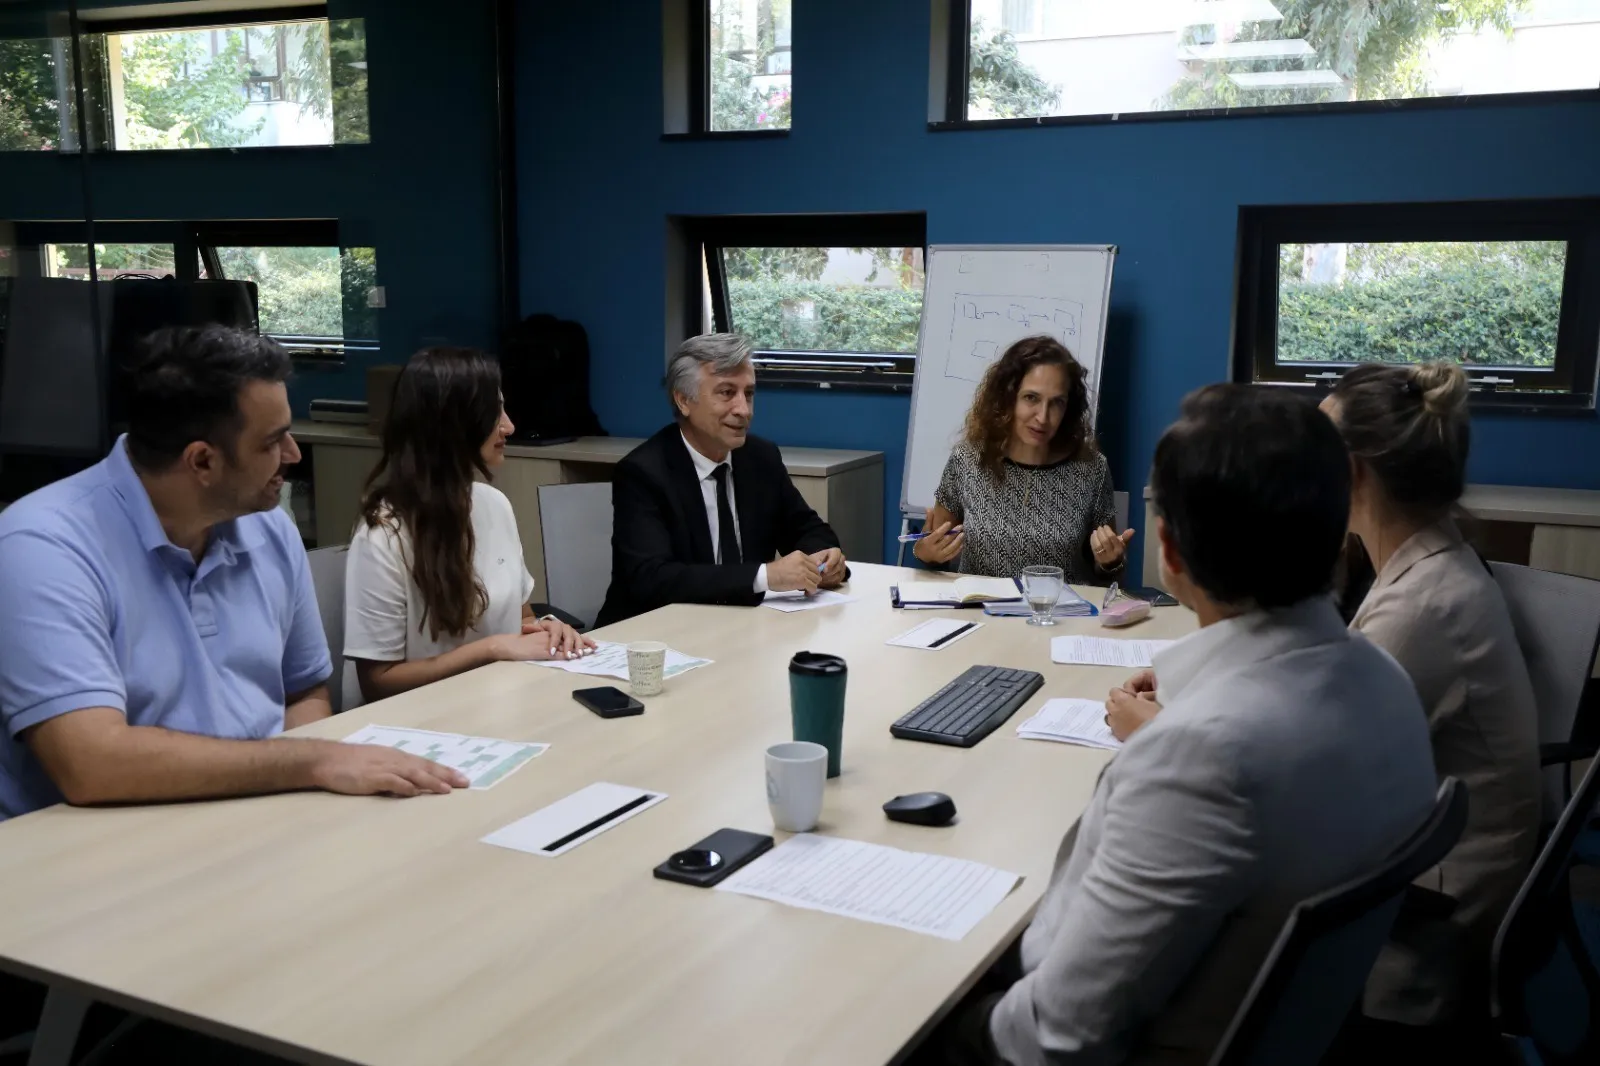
[727,535]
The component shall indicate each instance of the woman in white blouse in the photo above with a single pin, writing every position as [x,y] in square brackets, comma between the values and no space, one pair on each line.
[435,582]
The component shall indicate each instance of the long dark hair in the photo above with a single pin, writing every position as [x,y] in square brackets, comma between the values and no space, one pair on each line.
[995,406]
[446,404]
[1409,425]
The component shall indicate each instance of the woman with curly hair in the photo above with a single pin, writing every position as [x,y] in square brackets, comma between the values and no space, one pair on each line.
[1027,486]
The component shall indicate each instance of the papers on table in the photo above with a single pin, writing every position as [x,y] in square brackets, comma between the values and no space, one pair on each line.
[930,894]
[964,590]
[566,823]
[610,659]
[934,633]
[486,762]
[789,602]
[1104,651]
[1070,605]
[1071,722]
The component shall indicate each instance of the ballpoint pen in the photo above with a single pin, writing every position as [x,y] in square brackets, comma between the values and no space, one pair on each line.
[1111,594]
[908,538]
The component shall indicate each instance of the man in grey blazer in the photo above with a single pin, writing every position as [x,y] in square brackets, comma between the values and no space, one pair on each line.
[1290,756]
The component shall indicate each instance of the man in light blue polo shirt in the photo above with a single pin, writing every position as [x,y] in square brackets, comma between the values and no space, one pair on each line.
[158,627]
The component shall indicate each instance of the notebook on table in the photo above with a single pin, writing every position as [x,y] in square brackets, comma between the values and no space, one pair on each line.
[962,592]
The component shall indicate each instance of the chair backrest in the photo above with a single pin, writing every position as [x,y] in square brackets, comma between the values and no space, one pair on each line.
[1317,968]
[327,580]
[1557,619]
[1544,984]
[575,521]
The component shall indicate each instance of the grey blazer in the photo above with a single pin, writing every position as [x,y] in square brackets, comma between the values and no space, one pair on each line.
[1438,611]
[1290,755]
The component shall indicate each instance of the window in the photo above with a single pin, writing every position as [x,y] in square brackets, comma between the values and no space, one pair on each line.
[1023,59]
[751,64]
[311,298]
[33,114]
[111,261]
[727,67]
[825,301]
[1507,290]
[317,298]
[177,82]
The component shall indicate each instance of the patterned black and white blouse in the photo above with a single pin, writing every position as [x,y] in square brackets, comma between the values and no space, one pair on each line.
[1033,516]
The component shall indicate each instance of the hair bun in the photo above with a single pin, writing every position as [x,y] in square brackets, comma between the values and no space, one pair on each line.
[1443,387]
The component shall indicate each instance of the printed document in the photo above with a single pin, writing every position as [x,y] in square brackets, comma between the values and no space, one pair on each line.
[929,894]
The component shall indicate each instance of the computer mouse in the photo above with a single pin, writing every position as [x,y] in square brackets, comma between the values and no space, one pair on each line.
[922,808]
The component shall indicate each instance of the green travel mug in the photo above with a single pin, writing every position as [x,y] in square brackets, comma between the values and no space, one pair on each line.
[816,702]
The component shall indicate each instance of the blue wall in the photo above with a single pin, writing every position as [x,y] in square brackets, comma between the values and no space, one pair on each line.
[597,182]
[422,193]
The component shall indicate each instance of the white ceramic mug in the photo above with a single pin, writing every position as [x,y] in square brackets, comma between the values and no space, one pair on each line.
[647,661]
[796,772]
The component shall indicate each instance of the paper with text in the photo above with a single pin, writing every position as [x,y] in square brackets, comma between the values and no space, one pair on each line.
[929,894]
[1071,721]
[610,659]
[1105,651]
[486,762]
[789,602]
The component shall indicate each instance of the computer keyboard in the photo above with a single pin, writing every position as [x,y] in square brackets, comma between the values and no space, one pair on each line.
[970,707]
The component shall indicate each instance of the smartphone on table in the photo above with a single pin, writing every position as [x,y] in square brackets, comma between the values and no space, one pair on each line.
[608,702]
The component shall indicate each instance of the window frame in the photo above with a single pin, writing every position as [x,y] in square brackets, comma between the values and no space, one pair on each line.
[948,82]
[1262,229]
[707,236]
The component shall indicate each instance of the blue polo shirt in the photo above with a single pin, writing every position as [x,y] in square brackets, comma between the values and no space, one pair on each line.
[99,609]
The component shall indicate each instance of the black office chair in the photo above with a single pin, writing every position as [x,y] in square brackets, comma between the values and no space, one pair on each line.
[1315,972]
[1545,985]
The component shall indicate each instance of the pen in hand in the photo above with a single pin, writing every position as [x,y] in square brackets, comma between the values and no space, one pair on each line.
[908,538]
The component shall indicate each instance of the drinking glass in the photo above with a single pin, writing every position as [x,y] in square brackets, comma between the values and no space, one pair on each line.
[1041,587]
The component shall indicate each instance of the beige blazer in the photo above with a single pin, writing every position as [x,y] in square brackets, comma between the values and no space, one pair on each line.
[1290,756]
[1436,608]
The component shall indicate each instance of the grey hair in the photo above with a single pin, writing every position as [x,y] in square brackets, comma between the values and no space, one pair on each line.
[723,352]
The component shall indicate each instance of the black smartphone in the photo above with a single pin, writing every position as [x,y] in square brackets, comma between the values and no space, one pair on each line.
[608,702]
[714,858]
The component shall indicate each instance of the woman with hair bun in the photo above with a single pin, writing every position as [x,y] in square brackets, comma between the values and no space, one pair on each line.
[1435,607]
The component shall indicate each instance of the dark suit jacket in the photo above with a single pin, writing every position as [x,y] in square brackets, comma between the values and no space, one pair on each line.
[661,539]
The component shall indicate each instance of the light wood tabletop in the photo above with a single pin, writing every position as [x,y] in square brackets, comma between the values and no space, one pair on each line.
[381,931]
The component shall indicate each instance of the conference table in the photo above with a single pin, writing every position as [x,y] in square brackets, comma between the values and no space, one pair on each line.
[381,931]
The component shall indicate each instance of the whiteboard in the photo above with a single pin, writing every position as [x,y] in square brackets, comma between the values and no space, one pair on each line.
[977,302]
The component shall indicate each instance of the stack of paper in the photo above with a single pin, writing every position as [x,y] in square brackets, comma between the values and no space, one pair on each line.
[611,660]
[909,890]
[1070,605]
[1105,651]
[1071,722]
[485,762]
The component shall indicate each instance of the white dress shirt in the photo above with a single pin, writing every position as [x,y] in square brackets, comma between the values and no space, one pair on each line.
[1290,756]
[705,469]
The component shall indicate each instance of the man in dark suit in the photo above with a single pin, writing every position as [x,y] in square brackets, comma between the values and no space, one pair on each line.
[704,511]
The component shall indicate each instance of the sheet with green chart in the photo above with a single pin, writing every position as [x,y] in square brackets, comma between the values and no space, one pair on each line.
[485,761]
